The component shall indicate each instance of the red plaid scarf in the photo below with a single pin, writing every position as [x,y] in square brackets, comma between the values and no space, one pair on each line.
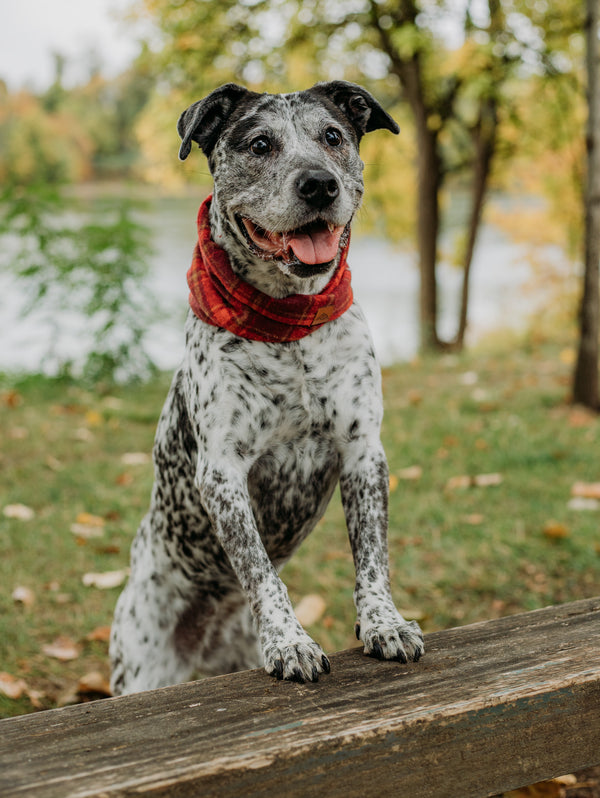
[222,298]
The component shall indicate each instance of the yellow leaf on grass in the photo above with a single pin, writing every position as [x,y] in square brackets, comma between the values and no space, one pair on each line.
[23,595]
[88,526]
[101,633]
[93,418]
[19,511]
[414,472]
[555,788]
[310,609]
[63,648]
[106,580]
[135,458]
[474,519]
[89,519]
[488,480]
[554,530]
[586,490]
[459,482]
[94,682]
[12,687]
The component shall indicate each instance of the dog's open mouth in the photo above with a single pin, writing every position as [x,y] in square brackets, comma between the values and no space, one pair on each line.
[314,243]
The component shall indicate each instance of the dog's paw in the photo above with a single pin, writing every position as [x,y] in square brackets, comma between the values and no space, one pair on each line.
[297,662]
[395,639]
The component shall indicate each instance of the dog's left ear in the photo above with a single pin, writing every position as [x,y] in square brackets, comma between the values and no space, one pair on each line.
[361,108]
[204,120]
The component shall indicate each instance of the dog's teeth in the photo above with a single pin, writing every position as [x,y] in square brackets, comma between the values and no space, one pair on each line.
[330,226]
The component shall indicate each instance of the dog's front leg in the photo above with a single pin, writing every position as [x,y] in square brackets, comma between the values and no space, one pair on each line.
[289,653]
[364,484]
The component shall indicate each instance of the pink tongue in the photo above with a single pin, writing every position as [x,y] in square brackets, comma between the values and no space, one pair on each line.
[318,247]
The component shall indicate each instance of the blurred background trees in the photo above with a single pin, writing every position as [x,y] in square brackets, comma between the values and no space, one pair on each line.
[490,96]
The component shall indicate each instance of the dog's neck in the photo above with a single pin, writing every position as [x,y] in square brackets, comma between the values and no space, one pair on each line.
[266,276]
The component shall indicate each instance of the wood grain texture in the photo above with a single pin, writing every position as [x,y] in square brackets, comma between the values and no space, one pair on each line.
[490,707]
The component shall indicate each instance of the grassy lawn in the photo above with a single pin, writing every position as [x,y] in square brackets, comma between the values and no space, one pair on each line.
[483,451]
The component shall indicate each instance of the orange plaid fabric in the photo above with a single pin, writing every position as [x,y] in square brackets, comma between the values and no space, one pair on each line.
[221,298]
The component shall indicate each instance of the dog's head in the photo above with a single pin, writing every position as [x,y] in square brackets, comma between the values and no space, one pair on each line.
[287,171]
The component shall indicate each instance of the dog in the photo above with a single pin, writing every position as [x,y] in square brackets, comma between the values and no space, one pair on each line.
[256,432]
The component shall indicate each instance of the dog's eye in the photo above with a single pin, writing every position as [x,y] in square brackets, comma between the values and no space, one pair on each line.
[333,137]
[261,145]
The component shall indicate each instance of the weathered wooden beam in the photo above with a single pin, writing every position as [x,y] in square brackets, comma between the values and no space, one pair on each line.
[490,707]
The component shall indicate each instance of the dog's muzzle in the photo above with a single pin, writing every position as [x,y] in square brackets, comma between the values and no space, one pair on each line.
[315,243]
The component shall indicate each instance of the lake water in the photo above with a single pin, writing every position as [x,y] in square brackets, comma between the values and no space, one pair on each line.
[385,281]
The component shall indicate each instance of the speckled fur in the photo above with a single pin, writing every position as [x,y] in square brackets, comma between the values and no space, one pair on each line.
[254,437]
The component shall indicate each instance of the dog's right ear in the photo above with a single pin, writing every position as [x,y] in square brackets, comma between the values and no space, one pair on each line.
[203,121]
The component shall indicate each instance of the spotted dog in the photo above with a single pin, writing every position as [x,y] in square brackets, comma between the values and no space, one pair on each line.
[255,435]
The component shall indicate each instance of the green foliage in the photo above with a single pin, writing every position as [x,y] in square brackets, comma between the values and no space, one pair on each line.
[96,264]
[74,134]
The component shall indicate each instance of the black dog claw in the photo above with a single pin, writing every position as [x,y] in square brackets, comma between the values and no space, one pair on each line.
[377,650]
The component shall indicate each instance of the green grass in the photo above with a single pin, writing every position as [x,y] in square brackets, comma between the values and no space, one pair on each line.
[457,554]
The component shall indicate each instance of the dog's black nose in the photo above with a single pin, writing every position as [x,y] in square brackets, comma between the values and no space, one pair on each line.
[317,187]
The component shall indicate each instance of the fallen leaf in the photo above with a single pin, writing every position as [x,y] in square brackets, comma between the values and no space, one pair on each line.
[570,780]
[459,482]
[63,648]
[310,609]
[94,682]
[106,580]
[488,480]
[18,433]
[19,511]
[582,417]
[580,503]
[110,548]
[474,519]
[450,441]
[544,789]
[11,398]
[100,633]
[89,519]
[479,481]
[469,378]
[11,686]
[586,490]
[414,396]
[135,458]
[125,479]
[68,697]
[23,595]
[411,473]
[93,418]
[393,483]
[113,403]
[53,464]
[554,530]
[88,526]
[83,434]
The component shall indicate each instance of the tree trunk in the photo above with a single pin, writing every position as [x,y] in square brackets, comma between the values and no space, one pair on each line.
[428,223]
[484,137]
[429,178]
[585,383]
